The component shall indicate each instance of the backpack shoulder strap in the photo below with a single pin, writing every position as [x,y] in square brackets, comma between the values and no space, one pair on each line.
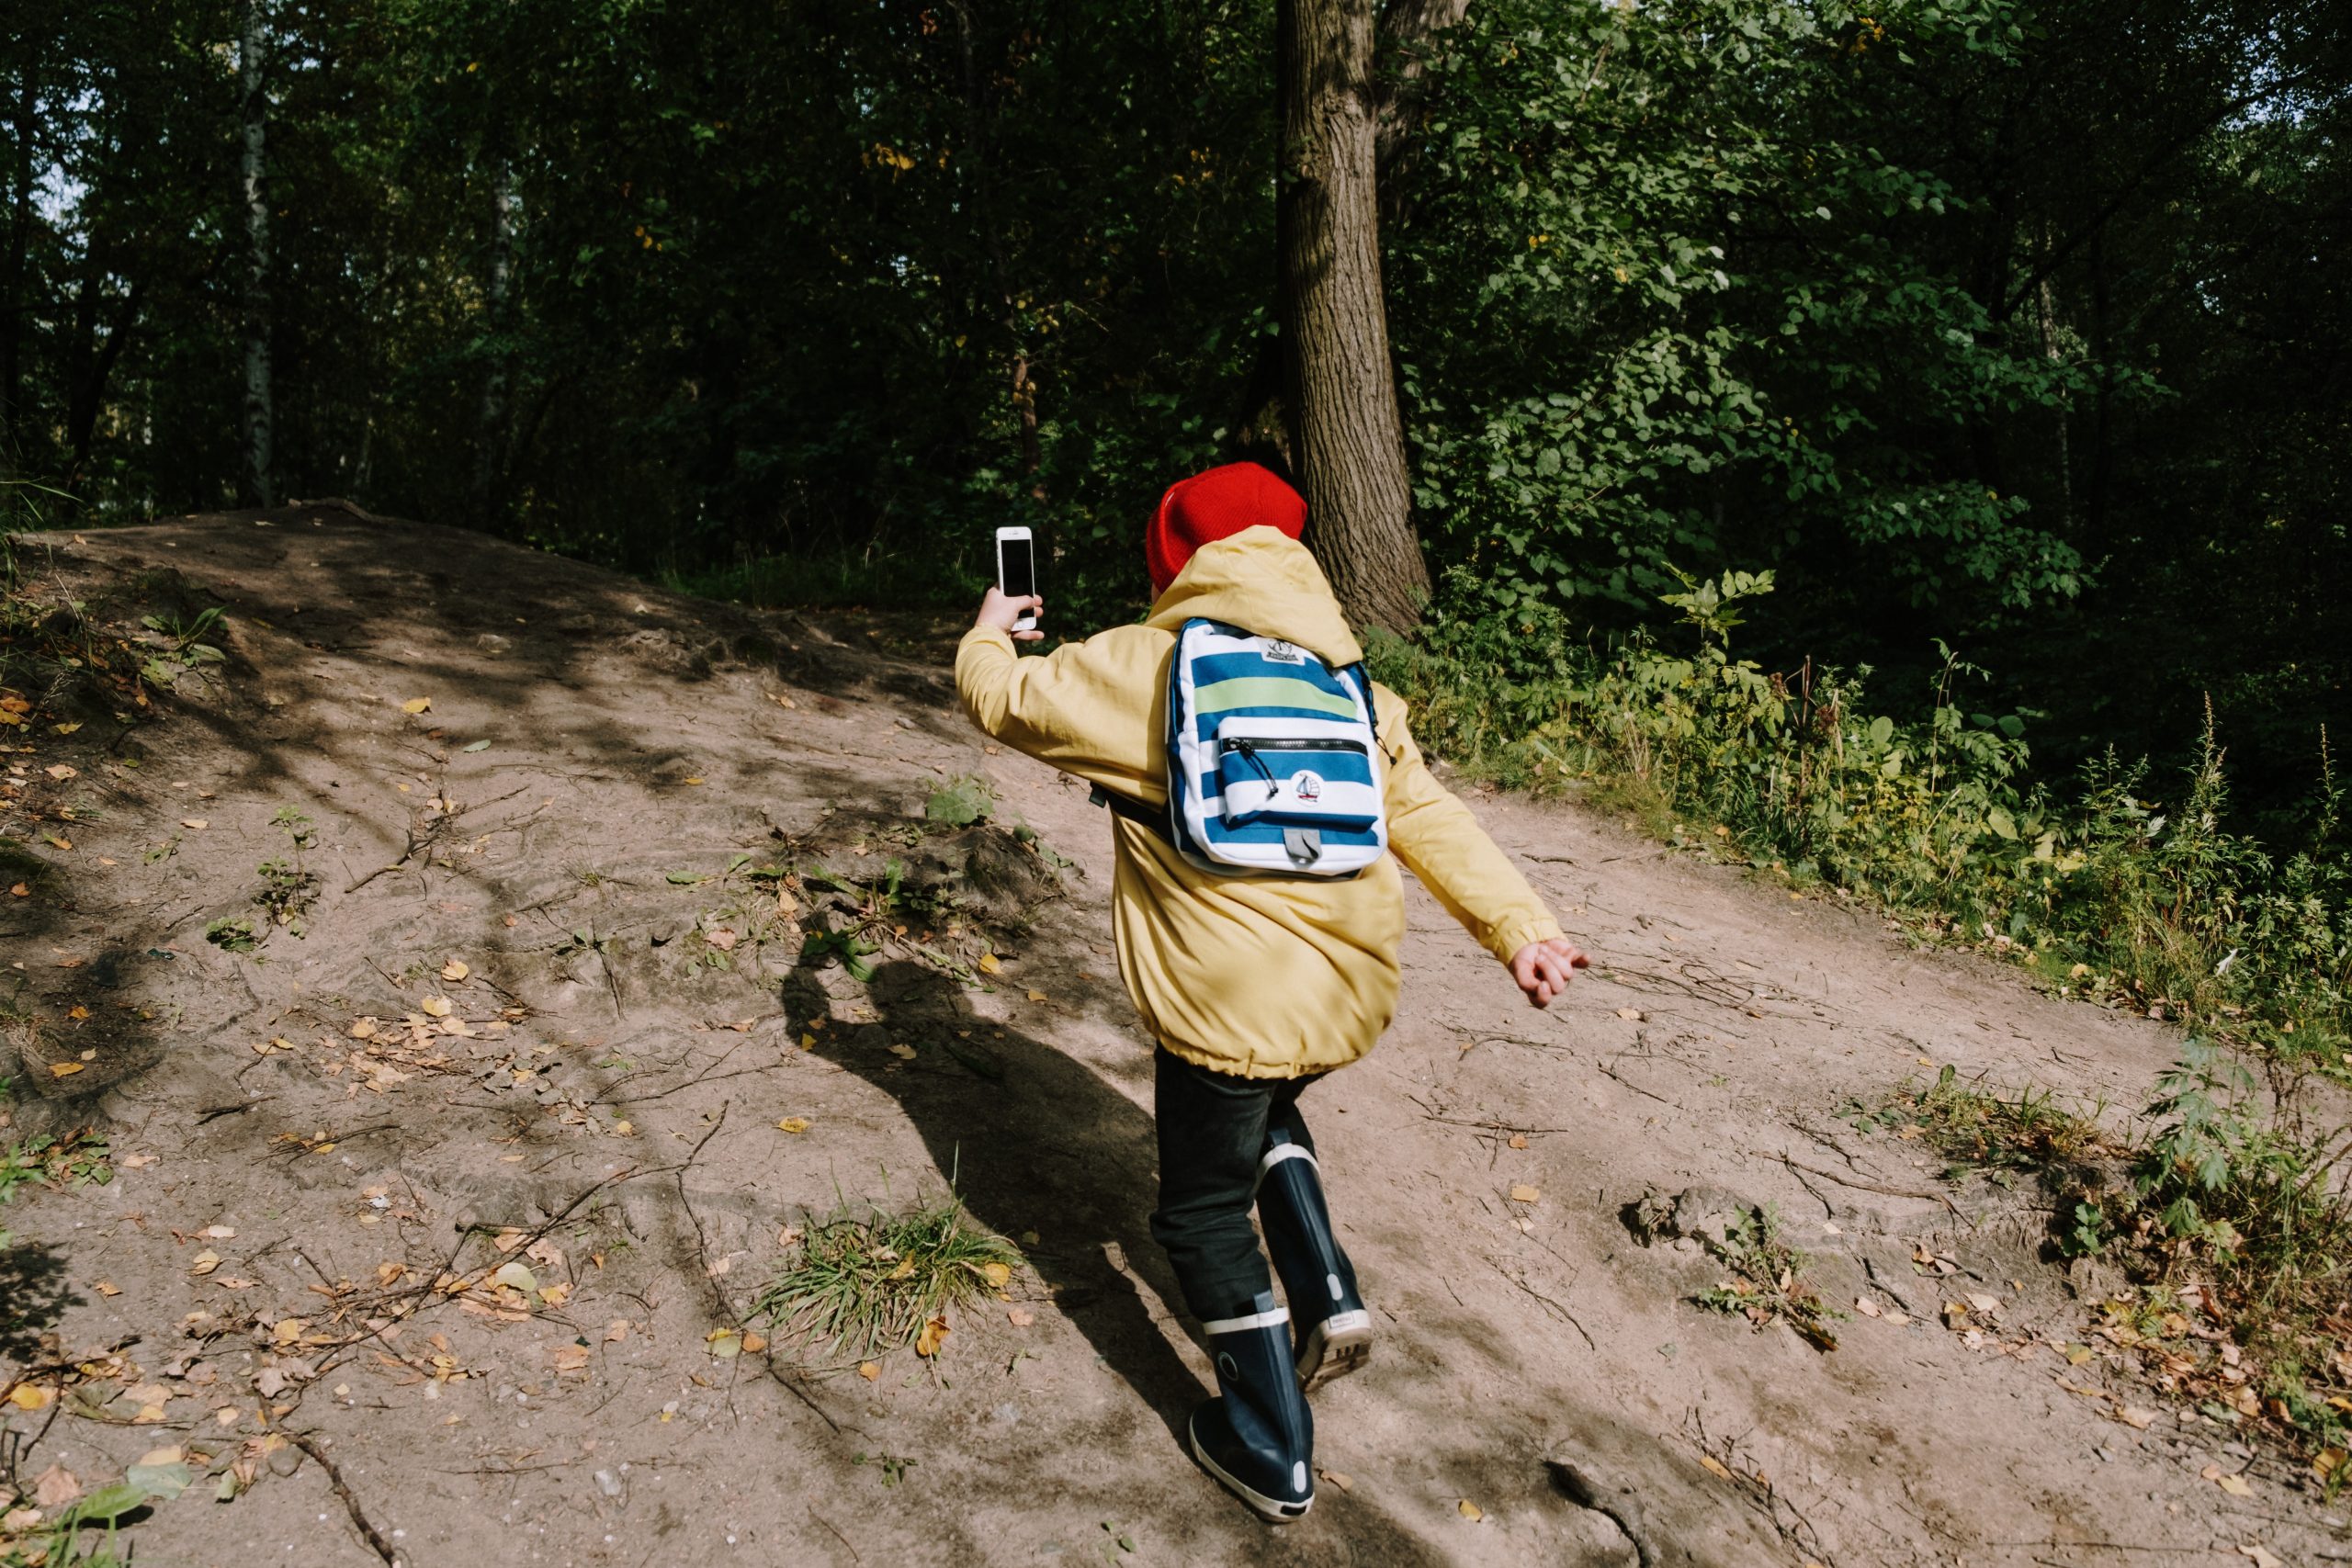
[1134,810]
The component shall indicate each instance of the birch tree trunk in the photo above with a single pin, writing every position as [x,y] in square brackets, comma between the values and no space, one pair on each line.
[491,415]
[1346,434]
[260,408]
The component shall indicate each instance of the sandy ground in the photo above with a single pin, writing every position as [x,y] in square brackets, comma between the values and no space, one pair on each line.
[284,1274]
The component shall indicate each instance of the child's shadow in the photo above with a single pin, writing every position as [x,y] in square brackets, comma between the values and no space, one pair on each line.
[1035,1142]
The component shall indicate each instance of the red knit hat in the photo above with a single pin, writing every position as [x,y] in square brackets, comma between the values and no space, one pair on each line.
[1216,505]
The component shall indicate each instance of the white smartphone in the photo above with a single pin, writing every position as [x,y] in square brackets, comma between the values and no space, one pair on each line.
[1016,571]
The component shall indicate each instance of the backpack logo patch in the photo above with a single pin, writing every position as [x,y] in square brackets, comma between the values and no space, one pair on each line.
[1306,786]
[1276,652]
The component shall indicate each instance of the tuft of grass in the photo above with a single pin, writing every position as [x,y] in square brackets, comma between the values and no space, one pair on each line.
[868,1283]
[1973,1125]
[1766,1283]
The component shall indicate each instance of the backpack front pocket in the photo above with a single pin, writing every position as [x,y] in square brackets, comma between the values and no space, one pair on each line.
[1295,773]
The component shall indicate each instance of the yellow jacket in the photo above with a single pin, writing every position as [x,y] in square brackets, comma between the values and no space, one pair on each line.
[1263,977]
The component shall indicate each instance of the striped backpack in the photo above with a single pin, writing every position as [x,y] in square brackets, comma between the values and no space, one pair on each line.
[1274,761]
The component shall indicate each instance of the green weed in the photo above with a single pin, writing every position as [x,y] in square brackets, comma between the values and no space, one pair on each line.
[2234,1197]
[894,1467]
[865,1284]
[233,936]
[963,800]
[1766,1281]
[78,1159]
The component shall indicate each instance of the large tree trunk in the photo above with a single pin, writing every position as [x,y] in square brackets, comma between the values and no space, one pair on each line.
[491,418]
[1346,436]
[260,406]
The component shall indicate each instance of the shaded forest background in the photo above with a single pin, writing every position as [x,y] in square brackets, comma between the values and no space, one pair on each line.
[2023,328]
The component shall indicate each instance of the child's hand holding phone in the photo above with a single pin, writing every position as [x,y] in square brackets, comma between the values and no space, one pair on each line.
[1017,618]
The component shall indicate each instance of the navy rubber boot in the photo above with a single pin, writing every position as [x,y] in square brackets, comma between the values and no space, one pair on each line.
[1257,1437]
[1333,1326]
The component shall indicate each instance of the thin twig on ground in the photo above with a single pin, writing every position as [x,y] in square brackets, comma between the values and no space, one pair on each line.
[375,1538]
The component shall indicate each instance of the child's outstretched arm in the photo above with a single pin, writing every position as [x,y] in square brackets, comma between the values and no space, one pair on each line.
[1088,709]
[1439,841]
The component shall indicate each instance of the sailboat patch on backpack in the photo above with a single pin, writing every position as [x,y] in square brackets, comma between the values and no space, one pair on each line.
[1274,758]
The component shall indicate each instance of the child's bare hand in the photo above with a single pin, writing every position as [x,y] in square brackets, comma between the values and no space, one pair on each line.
[1542,968]
[999,611]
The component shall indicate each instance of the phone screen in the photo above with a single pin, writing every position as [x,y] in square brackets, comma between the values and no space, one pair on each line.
[1019,570]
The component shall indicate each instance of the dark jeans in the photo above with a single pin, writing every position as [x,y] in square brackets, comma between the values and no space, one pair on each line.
[1213,1130]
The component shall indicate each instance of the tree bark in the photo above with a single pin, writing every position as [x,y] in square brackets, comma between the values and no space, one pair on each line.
[1404,26]
[491,417]
[1346,434]
[259,484]
[16,311]
[90,361]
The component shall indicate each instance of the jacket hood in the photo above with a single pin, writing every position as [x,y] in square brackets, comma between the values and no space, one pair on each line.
[1265,582]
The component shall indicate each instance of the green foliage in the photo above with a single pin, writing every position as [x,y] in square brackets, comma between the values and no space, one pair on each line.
[1668,294]
[233,936]
[963,800]
[2235,1188]
[79,1159]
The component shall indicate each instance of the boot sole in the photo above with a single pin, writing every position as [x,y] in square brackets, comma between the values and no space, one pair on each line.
[1334,1348]
[1272,1510]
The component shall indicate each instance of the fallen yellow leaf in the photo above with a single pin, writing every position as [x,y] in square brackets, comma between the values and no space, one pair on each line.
[1633,1013]
[1714,1467]
[934,1335]
[1522,1193]
[25,1396]
[794,1124]
[454,970]
[198,823]
[435,1007]
[416,704]
[204,1262]
[997,1275]
[1468,1510]
[1036,995]
[988,963]
[2235,1485]
[65,1069]
[869,1370]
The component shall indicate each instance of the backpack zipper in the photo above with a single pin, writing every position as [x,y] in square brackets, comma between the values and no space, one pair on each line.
[1251,748]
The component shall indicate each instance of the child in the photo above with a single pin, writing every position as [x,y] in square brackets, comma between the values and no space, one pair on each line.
[1255,986]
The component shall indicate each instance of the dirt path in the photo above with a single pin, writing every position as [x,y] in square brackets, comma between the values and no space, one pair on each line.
[629,1032]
